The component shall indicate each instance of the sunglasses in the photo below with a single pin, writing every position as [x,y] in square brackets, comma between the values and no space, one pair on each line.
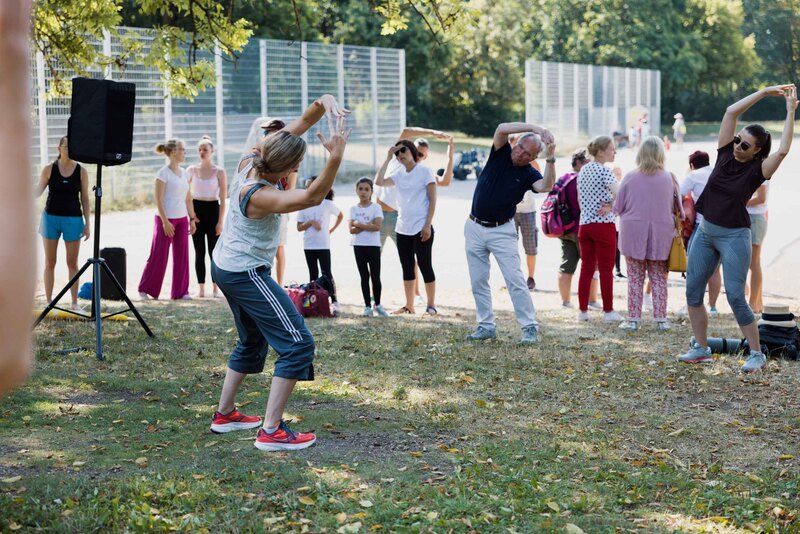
[401,150]
[737,140]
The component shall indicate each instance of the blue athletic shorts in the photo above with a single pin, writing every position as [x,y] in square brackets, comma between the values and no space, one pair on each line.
[53,226]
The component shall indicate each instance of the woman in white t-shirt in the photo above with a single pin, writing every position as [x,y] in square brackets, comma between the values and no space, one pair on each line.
[314,222]
[757,209]
[174,222]
[416,201]
[365,226]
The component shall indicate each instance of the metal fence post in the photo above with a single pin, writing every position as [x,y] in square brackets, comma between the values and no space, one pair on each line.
[262,57]
[528,85]
[340,95]
[544,92]
[402,73]
[167,110]
[590,100]
[576,100]
[219,108]
[373,70]
[560,96]
[42,105]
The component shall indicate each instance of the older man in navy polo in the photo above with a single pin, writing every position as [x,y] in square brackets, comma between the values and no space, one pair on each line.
[490,229]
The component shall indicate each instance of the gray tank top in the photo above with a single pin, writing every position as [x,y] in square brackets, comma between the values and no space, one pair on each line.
[246,243]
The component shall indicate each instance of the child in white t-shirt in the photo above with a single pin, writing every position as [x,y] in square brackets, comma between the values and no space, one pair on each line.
[314,222]
[365,226]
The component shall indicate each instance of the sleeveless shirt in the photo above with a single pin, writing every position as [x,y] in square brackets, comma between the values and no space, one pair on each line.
[64,193]
[246,243]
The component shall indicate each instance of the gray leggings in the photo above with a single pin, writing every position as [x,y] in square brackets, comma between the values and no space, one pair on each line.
[710,246]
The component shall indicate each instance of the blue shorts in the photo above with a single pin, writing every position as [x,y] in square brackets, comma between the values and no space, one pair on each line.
[265,317]
[53,226]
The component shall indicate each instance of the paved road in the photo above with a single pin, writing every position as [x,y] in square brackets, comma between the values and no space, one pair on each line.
[781,253]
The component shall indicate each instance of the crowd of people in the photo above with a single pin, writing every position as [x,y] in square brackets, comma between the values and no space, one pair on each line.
[636,215]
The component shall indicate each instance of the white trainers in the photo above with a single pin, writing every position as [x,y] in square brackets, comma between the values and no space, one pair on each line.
[647,303]
[596,306]
[583,316]
[629,326]
[683,312]
[712,312]
[419,301]
[612,317]
[567,305]
[663,326]
[144,296]
[381,311]
[335,308]
[367,312]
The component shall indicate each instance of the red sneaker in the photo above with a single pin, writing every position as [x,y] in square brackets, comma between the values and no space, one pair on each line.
[284,439]
[235,420]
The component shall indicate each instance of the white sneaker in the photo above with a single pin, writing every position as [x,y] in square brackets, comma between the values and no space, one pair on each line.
[381,311]
[596,306]
[335,308]
[647,303]
[419,301]
[663,326]
[629,326]
[367,312]
[567,305]
[583,316]
[683,312]
[144,296]
[612,317]
[712,312]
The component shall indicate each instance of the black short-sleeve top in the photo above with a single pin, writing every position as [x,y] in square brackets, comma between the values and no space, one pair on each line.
[501,186]
[730,186]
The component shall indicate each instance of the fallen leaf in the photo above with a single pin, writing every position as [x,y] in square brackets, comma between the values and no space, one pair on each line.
[677,432]
[141,461]
[78,464]
[341,517]
[432,516]
[365,503]
[573,529]
[11,480]
[553,506]
[305,499]
[211,443]
[274,520]
[198,477]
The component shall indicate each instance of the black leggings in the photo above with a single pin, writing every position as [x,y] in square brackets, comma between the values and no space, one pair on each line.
[323,256]
[208,213]
[409,246]
[368,260]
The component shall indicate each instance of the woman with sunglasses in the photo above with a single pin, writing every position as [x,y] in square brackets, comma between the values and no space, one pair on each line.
[416,198]
[743,164]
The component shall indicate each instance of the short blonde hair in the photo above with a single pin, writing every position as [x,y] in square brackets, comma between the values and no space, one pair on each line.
[598,144]
[170,146]
[650,157]
[280,152]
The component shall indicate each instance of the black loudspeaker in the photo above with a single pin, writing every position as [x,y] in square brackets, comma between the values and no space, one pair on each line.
[100,127]
[115,259]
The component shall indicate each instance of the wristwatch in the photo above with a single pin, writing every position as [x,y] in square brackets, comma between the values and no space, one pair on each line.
[550,160]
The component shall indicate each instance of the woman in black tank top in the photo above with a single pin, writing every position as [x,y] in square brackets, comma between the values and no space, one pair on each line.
[66,214]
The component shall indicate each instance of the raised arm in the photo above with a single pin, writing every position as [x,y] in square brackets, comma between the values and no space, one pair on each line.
[270,200]
[324,105]
[549,171]
[17,253]
[410,132]
[728,127]
[509,128]
[772,162]
[380,176]
[447,177]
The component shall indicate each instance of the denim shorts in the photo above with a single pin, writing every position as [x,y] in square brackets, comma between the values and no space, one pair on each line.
[53,226]
[758,227]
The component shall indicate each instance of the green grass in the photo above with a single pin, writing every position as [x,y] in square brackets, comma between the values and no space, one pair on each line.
[418,431]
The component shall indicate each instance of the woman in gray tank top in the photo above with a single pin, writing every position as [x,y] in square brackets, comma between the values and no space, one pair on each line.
[264,315]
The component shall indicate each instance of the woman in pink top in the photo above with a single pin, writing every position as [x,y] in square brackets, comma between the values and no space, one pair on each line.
[645,204]
[209,187]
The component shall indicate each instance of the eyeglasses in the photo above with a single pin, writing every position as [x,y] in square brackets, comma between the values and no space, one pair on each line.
[743,144]
[401,150]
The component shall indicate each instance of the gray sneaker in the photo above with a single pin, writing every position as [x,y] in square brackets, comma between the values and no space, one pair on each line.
[482,333]
[530,335]
[697,354]
[755,362]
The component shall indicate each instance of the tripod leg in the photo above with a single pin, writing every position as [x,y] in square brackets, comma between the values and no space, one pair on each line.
[54,302]
[127,300]
[98,316]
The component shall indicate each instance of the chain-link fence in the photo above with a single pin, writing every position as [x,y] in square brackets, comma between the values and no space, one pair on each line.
[271,78]
[581,101]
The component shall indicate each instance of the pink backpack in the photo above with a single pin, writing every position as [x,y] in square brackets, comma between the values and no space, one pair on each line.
[310,299]
[556,214]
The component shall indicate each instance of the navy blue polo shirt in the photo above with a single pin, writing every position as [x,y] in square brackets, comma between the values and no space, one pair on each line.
[501,186]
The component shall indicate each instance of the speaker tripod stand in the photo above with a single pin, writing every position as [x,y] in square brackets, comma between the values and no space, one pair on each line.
[97,264]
